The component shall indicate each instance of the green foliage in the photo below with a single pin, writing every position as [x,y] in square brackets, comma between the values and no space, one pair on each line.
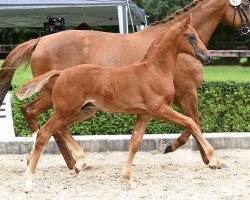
[225,107]
[159,9]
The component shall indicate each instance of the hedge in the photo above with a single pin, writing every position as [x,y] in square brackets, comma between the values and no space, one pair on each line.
[225,107]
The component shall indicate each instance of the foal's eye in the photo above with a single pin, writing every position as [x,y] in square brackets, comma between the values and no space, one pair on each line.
[192,37]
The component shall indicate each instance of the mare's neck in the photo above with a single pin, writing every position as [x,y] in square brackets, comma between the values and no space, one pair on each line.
[207,15]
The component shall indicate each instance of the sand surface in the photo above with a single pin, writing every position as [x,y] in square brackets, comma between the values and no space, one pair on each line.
[176,176]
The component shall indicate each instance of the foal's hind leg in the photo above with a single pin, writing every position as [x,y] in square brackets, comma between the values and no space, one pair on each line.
[166,113]
[43,136]
[32,110]
[135,142]
[73,145]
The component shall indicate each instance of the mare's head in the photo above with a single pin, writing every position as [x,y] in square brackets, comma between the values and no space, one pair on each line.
[238,14]
[188,41]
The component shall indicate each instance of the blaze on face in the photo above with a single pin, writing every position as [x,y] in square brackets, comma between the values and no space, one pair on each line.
[202,56]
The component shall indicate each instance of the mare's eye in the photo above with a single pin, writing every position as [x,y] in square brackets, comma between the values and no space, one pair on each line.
[245,6]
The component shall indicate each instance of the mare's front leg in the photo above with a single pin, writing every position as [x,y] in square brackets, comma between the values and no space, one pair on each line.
[135,142]
[168,114]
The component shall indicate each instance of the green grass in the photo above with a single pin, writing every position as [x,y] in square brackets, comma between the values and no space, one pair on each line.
[232,73]
[21,75]
[211,73]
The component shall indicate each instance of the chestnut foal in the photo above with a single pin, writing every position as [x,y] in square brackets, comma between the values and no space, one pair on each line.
[145,89]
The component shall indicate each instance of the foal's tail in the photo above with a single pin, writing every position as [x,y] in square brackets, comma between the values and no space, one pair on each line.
[35,85]
[21,54]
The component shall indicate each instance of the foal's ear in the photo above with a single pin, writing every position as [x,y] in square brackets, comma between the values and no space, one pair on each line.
[186,22]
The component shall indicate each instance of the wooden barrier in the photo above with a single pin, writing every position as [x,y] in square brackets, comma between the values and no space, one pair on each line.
[230,53]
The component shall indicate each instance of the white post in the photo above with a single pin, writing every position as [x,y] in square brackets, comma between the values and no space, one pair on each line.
[123,18]
[140,27]
[6,121]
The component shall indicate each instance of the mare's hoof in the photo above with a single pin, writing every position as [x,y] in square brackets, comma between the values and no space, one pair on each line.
[168,149]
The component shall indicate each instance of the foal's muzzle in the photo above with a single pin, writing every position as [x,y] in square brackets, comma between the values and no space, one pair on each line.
[204,57]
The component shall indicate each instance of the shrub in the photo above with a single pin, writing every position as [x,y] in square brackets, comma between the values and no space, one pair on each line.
[225,107]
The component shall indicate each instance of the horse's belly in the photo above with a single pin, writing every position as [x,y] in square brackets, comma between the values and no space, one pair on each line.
[121,106]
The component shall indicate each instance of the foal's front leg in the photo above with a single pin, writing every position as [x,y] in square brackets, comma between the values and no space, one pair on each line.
[189,104]
[168,114]
[135,142]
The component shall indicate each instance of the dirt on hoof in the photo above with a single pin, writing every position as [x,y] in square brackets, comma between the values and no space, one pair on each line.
[176,176]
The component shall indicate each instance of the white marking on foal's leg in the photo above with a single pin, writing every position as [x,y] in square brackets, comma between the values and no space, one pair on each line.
[79,161]
[34,136]
[28,180]
[127,177]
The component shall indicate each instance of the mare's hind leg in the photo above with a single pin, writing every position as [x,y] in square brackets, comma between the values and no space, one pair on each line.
[135,142]
[167,114]
[32,110]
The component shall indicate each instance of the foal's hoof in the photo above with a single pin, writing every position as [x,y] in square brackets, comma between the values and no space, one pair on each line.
[78,168]
[132,185]
[168,149]
[28,190]
[221,165]
[86,167]
[77,171]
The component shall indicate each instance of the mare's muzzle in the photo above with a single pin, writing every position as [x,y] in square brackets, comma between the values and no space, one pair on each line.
[204,57]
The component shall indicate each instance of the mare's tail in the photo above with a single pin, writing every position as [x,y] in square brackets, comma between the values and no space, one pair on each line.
[35,85]
[17,57]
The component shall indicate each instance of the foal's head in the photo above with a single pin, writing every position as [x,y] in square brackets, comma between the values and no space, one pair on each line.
[188,41]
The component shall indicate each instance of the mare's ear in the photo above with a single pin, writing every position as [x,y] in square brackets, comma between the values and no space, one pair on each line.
[184,24]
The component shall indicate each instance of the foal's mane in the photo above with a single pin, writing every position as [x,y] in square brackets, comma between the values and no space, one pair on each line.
[177,13]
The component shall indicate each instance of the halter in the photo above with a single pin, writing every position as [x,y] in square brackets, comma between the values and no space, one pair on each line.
[246,23]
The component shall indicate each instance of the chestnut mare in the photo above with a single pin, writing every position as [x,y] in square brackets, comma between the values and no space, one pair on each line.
[146,89]
[69,48]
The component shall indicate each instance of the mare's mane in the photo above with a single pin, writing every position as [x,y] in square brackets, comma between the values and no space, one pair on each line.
[177,13]
[168,19]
